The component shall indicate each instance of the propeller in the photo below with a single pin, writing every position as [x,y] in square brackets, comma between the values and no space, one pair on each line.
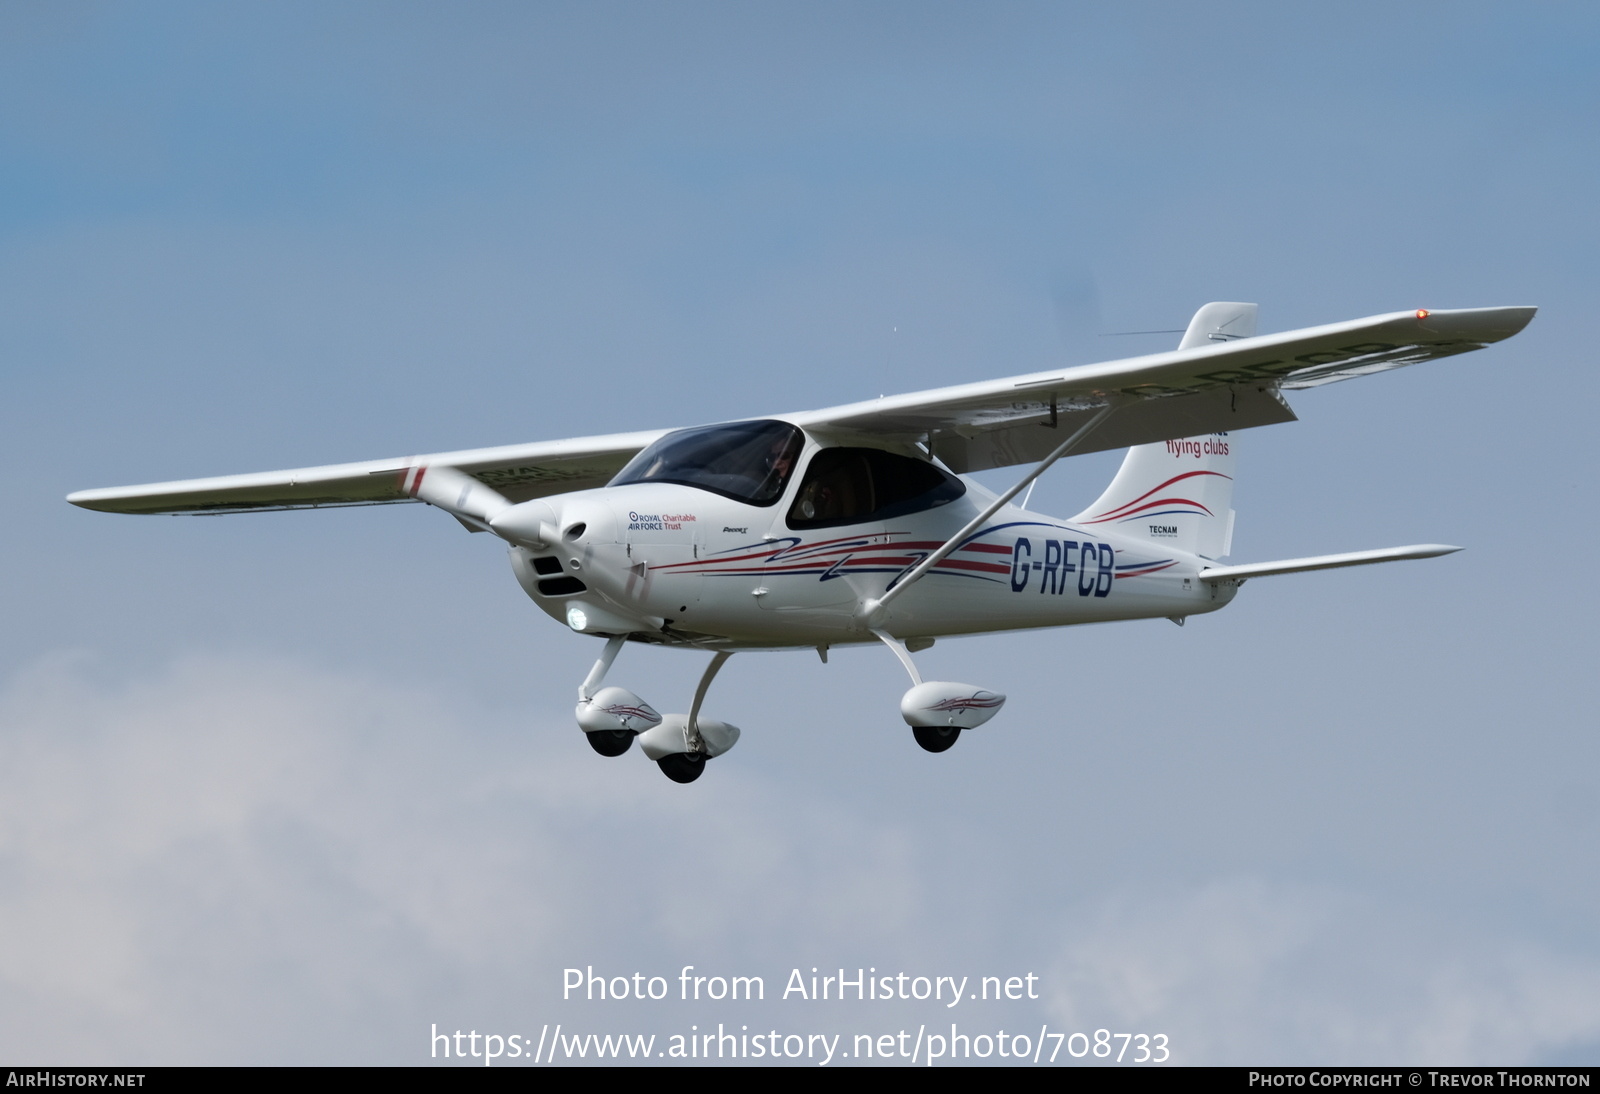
[481,507]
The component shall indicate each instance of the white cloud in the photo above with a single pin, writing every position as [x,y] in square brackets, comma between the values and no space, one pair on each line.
[1247,972]
[238,860]
[258,861]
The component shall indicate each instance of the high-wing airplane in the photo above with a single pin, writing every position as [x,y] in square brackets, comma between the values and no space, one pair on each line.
[854,525]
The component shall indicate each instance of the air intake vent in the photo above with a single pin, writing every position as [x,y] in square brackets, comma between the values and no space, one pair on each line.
[547,566]
[561,586]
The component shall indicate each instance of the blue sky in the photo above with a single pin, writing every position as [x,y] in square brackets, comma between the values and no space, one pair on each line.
[293,787]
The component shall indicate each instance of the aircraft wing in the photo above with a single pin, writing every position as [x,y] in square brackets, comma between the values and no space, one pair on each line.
[520,472]
[1213,388]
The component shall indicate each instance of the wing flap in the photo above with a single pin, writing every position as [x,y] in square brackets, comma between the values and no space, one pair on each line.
[520,472]
[1217,410]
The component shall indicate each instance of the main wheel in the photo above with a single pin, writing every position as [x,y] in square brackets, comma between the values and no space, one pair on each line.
[936,738]
[682,767]
[610,742]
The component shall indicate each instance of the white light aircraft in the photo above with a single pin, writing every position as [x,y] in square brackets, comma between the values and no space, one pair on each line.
[852,525]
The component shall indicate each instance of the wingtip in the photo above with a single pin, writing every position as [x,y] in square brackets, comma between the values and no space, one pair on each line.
[1523,315]
[1483,325]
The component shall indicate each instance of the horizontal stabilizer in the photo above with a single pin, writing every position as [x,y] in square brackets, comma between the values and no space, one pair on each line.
[1325,562]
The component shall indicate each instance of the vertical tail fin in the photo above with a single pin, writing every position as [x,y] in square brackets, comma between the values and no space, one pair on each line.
[1179,492]
[1223,321]
[1172,492]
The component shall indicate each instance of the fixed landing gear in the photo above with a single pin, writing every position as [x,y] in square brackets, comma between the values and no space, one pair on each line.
[610,742]
[611,717]
[936,738]
[682,767]
[937,711]
[680,744]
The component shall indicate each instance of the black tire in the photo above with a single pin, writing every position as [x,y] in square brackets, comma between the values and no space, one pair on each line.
[610,742]
[682,767]
[936,738]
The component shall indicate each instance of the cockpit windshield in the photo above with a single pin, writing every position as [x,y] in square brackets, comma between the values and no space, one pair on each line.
[746,461]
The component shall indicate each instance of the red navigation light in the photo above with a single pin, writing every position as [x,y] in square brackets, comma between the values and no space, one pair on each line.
[1422,313]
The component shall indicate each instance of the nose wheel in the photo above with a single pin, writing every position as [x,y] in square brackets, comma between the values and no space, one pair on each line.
[610,742]
[935,738]
[611,717]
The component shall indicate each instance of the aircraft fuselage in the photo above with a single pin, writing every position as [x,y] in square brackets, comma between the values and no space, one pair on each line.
[693,568]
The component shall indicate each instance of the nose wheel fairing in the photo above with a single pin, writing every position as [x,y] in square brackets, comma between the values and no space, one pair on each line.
[680,744]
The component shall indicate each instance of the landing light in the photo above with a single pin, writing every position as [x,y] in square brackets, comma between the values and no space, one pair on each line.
[576,619]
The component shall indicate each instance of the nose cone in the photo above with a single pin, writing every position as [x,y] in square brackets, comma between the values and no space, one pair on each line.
[531,524]
[573,520]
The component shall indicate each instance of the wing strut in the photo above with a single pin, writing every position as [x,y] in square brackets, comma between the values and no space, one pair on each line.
[873,609]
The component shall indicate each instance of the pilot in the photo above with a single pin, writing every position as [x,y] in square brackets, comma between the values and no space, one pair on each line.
[838,487]
[779,463]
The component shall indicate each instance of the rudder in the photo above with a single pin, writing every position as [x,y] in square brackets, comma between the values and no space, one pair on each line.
[1180,492]
[1176,493]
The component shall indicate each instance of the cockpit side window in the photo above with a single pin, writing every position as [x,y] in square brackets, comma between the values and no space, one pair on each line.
[851,485]
[746,461]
